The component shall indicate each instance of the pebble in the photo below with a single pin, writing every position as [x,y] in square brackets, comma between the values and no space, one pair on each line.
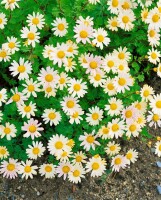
[153,150]
[38,193]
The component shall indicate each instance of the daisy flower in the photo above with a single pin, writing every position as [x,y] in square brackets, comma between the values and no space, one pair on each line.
[114,107]
[118,162]
[100,38]
[35,150]
[130,114]
[27,110]
[155,104]
[63,80]
[123,82]
[83,33]
[3,96]
[10,4]
[12,45]
[48,76]
[51,116]
[8,130]
[27,170]
[10,168]
[69,64]
[153,37]
[57,144]
[22,69]
[4,55]
[60,27]
[36,19]
[89,140]
[117,128]
[76,116]
[146,92]
[47,51]
[158,148]
[109,87]
[141,121]
[3,20]
[32,128]
[154,56]
[3,152]
[126,19]
[63,169]
[154,19]
[77,87]
[154,119]
[113,6]
[31,88]
[50,91]
[31,35]
[88,21]
[144,14]
[64,156]
[112,148]
[77,172]
[97,79]
[133,129]
[79,158]
[17,97]
[131,156]
[140,106]
[72,48]
[95,116]
[146,4]
[159,70]
[122,67]
[96,165]
[69,104]
[109,63]
[113,24]
[103,132]
[47,170]
[122,54]
[127,5]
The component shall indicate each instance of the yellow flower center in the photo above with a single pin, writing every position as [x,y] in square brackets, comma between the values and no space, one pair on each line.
[121,55]
[97,77]
[27,108]
[86,23]
[159,9]
[110,86]
[122,81]
[70,143]
[1,20]
[129,156]
[75,115]
[48,89]
[117,161]
[113,106]
[83,34]
[114,23]
[160,147]
[31,36]
[11,45]
[7,130]
[21,68]
[27,169]
[138,106]
[100,38]
[61,27]
[115,3]
[76,173]
[128,113]
[158,104]
[112,148]
[126,5]
[2,152]
[95,116]
[62,80]
[65,169]
[16,97]
[93,65]
[48,168]
[64,154]
[152,33]
[154,55]
[32,128]
[35,21]
[36,151]
[10,167]
[59,145]
[3,54]
[146,93]
[156,117]
[105,131]
[155,18]
[115,127]
[78,158]
[125,19]
[49,77]
[11,1]
[110,63]
[70,104]
[121,67]
[52,116]
[70,49]
[132,127]
[95,166]
[30,88]
[90,139]
[61,54]
[77,87]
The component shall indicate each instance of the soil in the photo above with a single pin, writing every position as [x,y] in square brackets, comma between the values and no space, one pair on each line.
[139,182]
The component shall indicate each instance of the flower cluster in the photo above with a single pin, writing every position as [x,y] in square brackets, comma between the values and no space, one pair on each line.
[74,95]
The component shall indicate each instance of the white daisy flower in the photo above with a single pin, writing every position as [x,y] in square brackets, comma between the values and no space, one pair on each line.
[146,92]
[77,172]
[154,56]
[35,150]
[154,119]
[47,51]
[154,19]
[8,130]
[122,54]
[4,55]
[133,129]
[12,45]
[113,24]
[79,158]
[113,6]
[69,104]
[112,148]
[118,162]
[153,37]
[36,19]
[131,156]
[63,169]
[97,79]
[109,87]
[109,63]
[10,4]
[72,48]
[117,128]
[155,104]
[76,116]
[51,116]
[88,21]
[60,27]
[63,80]
[114,107]
[95,116]
[3,96]
[27,110]
[47,170]
[4,153]
[3,20]
[158,148]
[103,132]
